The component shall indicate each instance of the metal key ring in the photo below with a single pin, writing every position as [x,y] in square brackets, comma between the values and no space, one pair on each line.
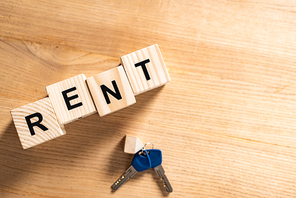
[143,149]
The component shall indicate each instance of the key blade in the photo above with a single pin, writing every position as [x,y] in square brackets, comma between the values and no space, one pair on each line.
[129,173]
[166,184]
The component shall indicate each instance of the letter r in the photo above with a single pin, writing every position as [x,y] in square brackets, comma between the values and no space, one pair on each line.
[37,123]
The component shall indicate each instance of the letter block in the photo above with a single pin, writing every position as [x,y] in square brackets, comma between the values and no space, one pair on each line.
[145,69]
[36,123]
[71,99]
[111,91]
[132,144]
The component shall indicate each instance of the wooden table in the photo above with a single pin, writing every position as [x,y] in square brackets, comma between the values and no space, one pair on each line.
[226,123]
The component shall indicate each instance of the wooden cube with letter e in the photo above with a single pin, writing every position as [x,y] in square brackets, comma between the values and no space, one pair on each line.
[145,69]
[111,91]
[71,99]
[36,123]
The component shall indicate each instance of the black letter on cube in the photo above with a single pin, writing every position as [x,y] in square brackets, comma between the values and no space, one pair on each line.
[115,94]
[67,99]
[38,123]
[144,68]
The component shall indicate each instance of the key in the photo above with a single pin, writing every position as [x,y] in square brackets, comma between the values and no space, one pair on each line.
[156,161]
[140,163]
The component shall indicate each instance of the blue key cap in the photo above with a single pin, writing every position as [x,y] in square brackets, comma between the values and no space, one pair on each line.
[139,163]
[155,157]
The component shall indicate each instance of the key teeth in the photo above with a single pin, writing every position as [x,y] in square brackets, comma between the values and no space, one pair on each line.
[129,173]
[165,186]
[164,180]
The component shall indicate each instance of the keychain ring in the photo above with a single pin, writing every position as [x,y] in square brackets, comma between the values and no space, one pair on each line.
[143,149]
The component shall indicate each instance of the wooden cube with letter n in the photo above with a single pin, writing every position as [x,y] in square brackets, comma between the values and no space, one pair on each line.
[36,123]
[71,99]
[145,69]
[111,91]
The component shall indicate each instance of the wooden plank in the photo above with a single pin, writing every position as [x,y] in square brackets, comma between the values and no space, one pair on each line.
[218,132]
[225,123]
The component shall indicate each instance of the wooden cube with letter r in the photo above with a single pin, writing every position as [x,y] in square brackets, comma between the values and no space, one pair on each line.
[71,99]
[145,69]
[111,91]
[36,123]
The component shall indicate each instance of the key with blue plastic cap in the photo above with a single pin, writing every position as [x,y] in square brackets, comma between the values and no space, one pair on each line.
[156,161]
[140,163]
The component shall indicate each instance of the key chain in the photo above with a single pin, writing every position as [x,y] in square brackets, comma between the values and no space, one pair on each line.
[139,164]
[144,149]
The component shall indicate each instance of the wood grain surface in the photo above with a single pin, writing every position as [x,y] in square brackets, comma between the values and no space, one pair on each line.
[225,123]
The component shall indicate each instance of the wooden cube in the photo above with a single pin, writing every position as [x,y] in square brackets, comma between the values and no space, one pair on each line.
[71,99]
[132,144]
[145,69]
[36,123]
[111,91]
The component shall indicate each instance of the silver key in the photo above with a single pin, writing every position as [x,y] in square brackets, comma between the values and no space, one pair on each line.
[166,184]
[139,163]
[156,161]
[129,173]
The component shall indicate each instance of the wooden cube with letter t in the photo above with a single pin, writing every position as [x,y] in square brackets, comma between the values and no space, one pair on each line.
[111,91]
[36,123]
[71,99]
[145,69]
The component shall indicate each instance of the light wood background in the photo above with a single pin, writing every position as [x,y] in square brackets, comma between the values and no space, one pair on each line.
[226,123]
